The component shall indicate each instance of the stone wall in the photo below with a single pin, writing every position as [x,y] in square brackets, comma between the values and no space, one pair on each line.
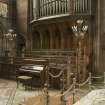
[22,20]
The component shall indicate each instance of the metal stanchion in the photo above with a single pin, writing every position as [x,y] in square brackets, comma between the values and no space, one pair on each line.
[63,102]
[68,71]
[90,81]
[74,92]
[104,78]
[46,94]
[46,85]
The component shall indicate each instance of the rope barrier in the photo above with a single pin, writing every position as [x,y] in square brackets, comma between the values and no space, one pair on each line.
[58,75]
[74,84]
[68,90]
[104,78]
[98,77]
[72,87]
[84,83]
[45,95]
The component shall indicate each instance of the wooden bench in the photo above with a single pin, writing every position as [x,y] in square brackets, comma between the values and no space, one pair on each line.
[26,80]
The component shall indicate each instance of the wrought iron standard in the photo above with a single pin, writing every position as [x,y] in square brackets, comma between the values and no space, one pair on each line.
[8,40]
[10,35]
[79,31]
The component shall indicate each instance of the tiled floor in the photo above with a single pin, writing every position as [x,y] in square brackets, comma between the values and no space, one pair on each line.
[11,95]
[95,97]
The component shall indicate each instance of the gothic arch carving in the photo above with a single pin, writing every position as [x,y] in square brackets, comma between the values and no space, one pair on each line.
[56,38]
[46,39]
[36,42]
[68,38]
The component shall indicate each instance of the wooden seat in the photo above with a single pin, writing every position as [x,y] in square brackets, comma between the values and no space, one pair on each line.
[26,80]
[24,77]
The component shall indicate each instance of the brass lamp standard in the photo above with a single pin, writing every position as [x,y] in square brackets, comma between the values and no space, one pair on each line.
[79,31]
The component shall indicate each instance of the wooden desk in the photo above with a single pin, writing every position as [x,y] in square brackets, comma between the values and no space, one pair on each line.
[37,72]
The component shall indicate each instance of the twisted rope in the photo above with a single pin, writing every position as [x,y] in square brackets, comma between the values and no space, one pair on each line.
[82,84]
[69,89]
[56,76]
[45,96]
[97,77]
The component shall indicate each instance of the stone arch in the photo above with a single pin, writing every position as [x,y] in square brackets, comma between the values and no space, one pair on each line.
[36,42]
[56,38]
[68,38]
[46,39]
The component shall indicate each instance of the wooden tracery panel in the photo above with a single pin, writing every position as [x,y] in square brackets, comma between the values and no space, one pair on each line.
[36,41]
[45,40]
[68,38]
[56,39]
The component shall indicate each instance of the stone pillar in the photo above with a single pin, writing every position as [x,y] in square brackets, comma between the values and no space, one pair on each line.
[22,20]
[36,9]
[102,36]
[97,39]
